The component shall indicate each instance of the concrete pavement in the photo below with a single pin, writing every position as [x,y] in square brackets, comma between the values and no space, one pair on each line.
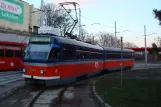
[10,76]
[149,65]
[9,82]
[79,95]
[9,88]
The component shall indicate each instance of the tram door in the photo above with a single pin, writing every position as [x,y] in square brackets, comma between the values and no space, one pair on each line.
[54,56]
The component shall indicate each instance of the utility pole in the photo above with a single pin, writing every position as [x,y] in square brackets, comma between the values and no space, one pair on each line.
[121,64]
[93,39]
[145,46]
[115,36]
[41,13]
[80,27]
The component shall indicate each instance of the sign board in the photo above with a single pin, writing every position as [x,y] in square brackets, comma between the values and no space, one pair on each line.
[40,39]
[12,10]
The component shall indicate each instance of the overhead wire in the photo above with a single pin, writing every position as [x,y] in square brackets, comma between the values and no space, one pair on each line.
[107,25]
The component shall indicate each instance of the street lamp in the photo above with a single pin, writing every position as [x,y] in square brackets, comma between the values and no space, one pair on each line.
[146,44]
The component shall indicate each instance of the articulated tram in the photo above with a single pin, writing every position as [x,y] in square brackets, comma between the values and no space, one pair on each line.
[55,60]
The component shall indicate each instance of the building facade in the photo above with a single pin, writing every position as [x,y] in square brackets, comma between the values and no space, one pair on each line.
[17,20]
[18,15]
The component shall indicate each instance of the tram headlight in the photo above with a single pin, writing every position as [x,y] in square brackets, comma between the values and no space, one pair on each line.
[42,71]
[24,70]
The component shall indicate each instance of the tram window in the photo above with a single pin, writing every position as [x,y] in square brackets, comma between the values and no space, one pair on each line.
[100,55]
[9,53]
[86,55]
[118,55]
[69,47]
[69,54]
[18,54]
[92,55]
[123,55]
[97,55]
[79,54]
[54,54]
[128,55]
[114,55]
[1,53]
[109,55]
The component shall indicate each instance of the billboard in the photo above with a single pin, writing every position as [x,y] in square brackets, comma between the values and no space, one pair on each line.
[12,10]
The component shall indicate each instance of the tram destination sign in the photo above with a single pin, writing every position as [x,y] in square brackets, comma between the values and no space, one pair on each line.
[12,10]
[40,39]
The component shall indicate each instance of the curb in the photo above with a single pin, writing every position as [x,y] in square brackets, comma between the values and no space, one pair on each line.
[10,92]
[95,94]
[140,68]
[57,101]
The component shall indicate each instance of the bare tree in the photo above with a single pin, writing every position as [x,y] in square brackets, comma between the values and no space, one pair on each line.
[106,39]
[84,35]
[129,45]
[158,41]
[56,18]
[103,38]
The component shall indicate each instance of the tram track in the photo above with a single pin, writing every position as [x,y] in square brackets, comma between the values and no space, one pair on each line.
[23,97]
[31,96]
[31,103]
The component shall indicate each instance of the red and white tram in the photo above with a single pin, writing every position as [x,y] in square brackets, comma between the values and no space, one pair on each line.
[11,54]
[56,60]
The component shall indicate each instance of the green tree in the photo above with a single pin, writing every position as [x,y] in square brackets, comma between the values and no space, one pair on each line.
[155,51]
[157,14]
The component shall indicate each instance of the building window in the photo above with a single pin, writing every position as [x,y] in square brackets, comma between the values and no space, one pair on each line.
[30,29]
[36,29]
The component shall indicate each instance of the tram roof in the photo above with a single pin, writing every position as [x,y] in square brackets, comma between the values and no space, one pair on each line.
[83,44]
[77,43]
[13,43]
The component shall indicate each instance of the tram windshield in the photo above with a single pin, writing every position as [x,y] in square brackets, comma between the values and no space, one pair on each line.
[37,51]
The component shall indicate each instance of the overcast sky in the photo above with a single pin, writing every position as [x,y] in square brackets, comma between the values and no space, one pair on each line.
[129,15]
